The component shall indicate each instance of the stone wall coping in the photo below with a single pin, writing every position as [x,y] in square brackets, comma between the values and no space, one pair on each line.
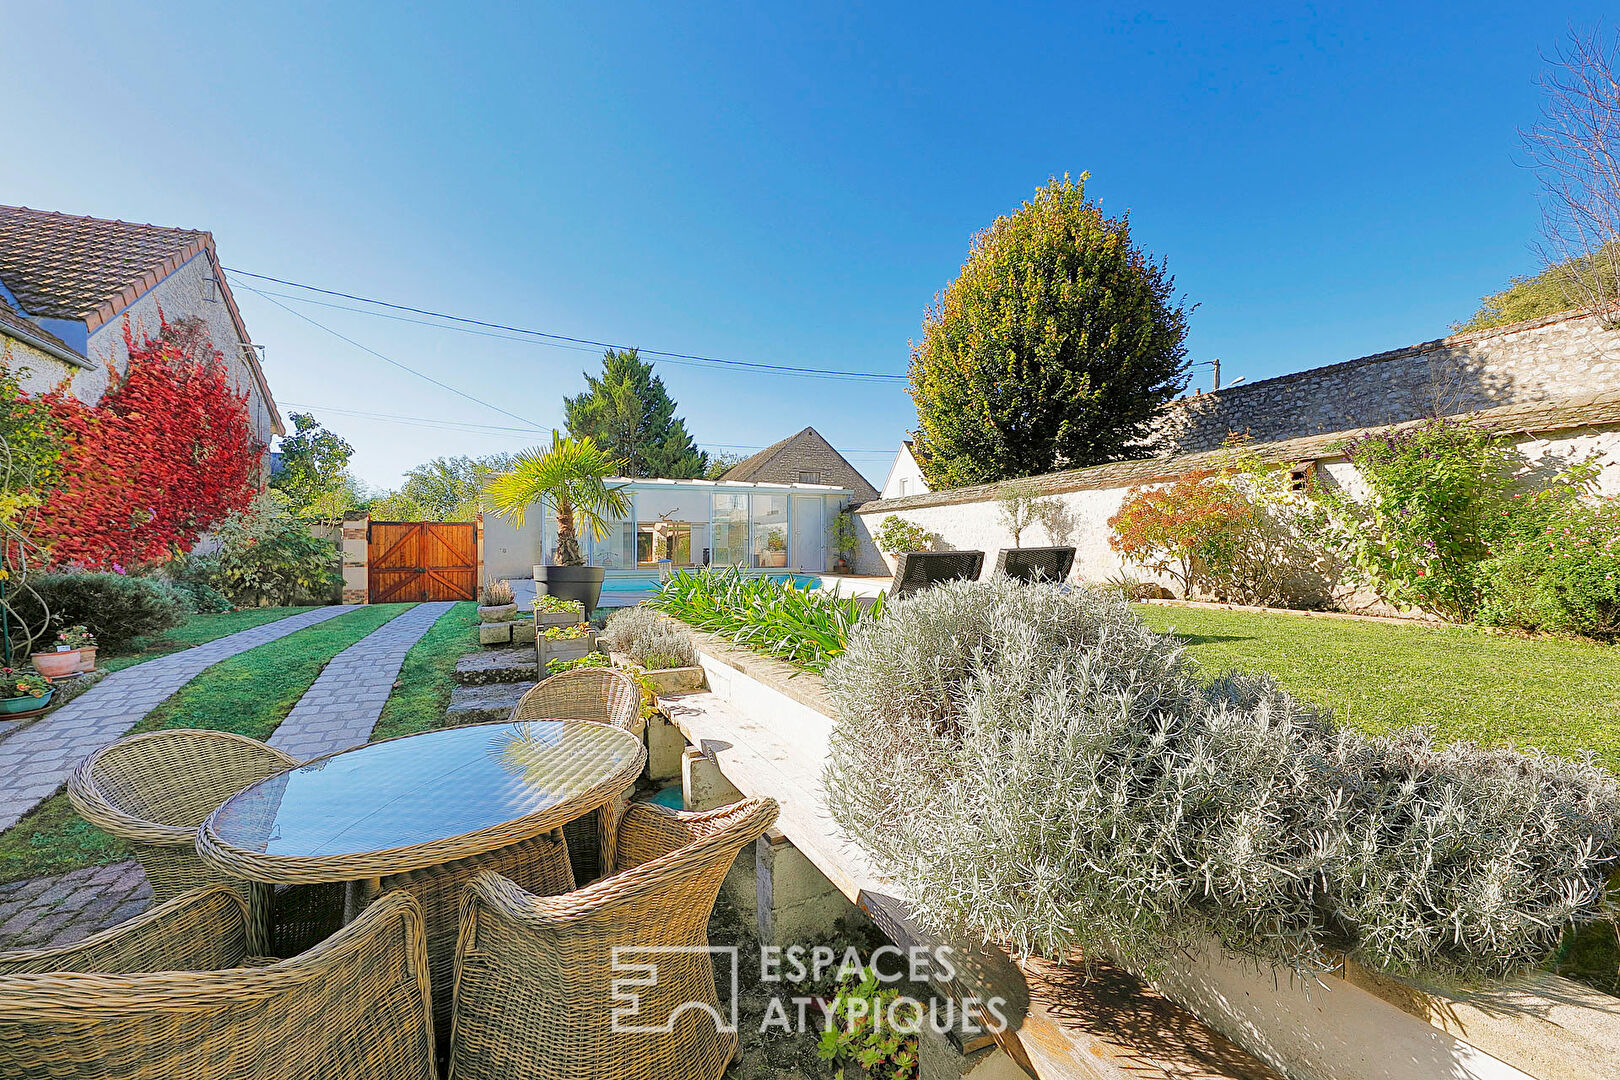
[1528,417]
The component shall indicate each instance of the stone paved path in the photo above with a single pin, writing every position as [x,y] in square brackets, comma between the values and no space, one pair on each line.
[37,760]
[343,705]
[337,711]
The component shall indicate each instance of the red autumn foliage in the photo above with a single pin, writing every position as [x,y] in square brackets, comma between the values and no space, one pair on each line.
[165,453]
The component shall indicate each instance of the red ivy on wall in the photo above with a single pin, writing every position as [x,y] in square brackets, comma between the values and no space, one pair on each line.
[165,453]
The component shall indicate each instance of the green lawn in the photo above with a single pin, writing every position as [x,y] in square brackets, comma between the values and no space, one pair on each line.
[1468,683]
[422,692]
[195,631]
[249,694]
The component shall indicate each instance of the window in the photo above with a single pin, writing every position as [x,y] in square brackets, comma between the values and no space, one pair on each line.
[1302,477]
[902,486]
[672,525]
[730,530]
[809,477]
[770,514]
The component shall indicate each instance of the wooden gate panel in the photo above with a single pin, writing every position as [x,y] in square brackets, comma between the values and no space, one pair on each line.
[423,560]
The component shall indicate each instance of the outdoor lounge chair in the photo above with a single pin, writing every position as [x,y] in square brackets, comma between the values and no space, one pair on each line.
[1036,563]
[153,790]
[606,695]
[535,975]
[172,995]
[917,570]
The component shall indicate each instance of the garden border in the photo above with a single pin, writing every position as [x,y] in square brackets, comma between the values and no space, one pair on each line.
[1358,1025]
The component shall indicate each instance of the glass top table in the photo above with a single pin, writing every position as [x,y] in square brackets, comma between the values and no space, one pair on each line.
[419,801]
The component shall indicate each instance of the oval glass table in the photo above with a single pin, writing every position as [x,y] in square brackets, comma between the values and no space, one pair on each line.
[416,802]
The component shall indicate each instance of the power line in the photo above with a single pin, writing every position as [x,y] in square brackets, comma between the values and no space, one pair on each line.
[391,360]
[777,369]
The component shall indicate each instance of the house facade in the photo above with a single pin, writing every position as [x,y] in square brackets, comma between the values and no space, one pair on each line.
[905,475]
[682,525]
[805,458]
[69,286]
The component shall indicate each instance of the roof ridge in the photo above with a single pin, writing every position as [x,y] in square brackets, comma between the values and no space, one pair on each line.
[103,220]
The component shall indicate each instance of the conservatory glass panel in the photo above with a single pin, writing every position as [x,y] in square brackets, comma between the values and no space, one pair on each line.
[770,513]
[672,525]
[730,531]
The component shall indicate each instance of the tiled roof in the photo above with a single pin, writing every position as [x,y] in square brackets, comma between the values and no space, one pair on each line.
[1524,418]
[782,461]
[16,326]
[65,266]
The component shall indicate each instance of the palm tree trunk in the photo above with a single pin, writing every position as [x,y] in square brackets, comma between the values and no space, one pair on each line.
[567,553]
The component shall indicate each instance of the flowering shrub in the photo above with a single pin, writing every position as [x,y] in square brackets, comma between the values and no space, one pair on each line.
[1043,770]
[21,683]
[896,536]
[166,453]
[1184,529]
[1556,565]
[1437,492]
[76,637]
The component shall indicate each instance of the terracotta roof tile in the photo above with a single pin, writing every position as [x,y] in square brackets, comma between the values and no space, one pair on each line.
[65,266]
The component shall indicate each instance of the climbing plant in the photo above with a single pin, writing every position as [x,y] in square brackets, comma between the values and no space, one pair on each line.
[165,453]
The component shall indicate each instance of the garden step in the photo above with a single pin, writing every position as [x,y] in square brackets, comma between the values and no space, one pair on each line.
[497,666]
[492,701]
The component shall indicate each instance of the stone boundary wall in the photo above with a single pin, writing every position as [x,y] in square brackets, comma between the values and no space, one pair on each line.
[1538,360]
[356,559]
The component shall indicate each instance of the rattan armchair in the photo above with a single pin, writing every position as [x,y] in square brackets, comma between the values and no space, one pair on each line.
[168,995]
[153,790]
[535,976]
[606,695]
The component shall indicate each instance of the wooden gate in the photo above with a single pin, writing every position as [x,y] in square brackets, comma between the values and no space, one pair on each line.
[422,560]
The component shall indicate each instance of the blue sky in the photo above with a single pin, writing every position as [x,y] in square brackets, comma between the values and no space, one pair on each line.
[783,186]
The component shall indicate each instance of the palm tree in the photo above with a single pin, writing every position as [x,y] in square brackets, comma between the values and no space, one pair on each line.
[569,479]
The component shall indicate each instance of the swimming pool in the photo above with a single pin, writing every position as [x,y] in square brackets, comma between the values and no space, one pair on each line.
[625,591]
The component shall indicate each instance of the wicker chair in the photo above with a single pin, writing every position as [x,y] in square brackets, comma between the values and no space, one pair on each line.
[916,570]
[1036,563]
[168,995]
[606,695]
[534,992]
[153,790]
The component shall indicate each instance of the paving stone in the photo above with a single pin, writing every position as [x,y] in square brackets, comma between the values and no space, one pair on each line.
[497,666]
[343,705]
[42,755]
[476,704]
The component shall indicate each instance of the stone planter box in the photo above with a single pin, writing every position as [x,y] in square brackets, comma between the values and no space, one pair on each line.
[497,613]
[547,649]
[665,681]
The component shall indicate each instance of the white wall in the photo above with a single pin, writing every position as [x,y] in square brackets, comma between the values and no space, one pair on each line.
[977,525]
[905,476]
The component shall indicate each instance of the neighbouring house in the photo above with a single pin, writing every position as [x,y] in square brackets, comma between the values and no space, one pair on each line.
[905,474]
[1551,386]
[805,458]
[70,284]
[684,524]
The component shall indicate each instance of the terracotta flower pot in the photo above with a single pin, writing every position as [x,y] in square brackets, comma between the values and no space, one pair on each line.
[53,665]
[87,659]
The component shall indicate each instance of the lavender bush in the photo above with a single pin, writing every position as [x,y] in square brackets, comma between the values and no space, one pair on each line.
[1041,769]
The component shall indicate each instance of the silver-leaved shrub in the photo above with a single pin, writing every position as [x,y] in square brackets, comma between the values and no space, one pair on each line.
[1040,769]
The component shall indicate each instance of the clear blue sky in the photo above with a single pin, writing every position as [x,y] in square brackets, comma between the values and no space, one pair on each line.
[775,184]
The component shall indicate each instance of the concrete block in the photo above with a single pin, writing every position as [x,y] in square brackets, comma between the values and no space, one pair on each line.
[703,785]
[523,633]
[665,745]
[939,1058]
[794,902]
[495,633]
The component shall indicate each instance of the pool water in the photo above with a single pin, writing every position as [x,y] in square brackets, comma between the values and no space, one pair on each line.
[631,590]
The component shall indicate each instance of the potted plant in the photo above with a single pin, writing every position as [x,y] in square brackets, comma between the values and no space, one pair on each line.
[57,662]
[496,602]
[845,540]
[83,643]
[564,643]
[569,479]
[23,691]
[775,553]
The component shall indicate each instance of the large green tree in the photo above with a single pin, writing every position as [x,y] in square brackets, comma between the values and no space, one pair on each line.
[627,412]
[312,474]
[1054,348]
[443,489]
